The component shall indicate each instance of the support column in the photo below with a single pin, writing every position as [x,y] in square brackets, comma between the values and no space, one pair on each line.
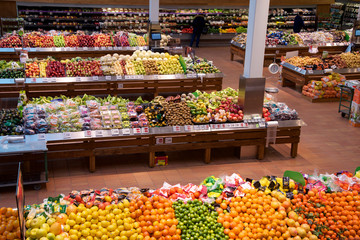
[252,83]
[154,11]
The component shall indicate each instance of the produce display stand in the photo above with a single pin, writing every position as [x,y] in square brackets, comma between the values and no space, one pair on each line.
[104,85]
[67,52]
[280,51]
[292,75]
[24,151]
[206,39]
[150,140]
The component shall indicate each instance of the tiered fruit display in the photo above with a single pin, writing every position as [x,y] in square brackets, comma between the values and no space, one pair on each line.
[177,113]
[12,41]
[32,70]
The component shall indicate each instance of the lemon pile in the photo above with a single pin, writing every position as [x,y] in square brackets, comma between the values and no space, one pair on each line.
[113,222]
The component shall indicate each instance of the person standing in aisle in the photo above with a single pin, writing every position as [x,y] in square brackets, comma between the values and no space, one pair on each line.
[198,25]
[298,23]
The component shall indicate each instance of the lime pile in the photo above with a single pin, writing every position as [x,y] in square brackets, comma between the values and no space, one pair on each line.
[198,220]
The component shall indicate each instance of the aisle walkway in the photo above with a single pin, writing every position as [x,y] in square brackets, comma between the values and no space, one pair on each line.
[328,144]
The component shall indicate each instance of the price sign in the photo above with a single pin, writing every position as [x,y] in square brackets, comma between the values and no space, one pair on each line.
[45,80]
[118,77]
[103,48]
[110,48]
[155,76]
[87,133]
[99,133]
[145,130]
[127,77]
[126,131]
[85,20]
[188,128]
[168,140]
[196,128]
[53,79]
[120,85]
[191,75]
[159,140]
[67,135]
[310,71]
[22,80]
[127,48]
[41,137]
[68,14]
[95,78]
[137,130]
[107,77]
[85,48]
[115,132]
[96,48]
[222,126]
[179,76]
[78,79]
[176,128]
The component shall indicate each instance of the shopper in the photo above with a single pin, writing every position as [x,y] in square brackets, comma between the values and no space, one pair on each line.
[298,23]
[198,28]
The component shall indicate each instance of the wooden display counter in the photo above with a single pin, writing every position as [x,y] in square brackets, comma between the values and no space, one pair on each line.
[292,75]
[166,139]
[270,52]
[114,85]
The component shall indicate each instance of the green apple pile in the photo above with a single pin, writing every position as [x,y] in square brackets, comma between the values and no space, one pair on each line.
[139,67]
[40,228]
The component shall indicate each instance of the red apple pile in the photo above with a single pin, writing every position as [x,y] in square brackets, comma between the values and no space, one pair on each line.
[233,111]
[45,41]
[85,41]
[55,69]
[71,41]
[83,69]
[266,114]
[12,41]
[32,70]
[103,40]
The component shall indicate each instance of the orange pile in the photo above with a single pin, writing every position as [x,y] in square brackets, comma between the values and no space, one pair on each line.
[9,224]
[332,215]
[156,218]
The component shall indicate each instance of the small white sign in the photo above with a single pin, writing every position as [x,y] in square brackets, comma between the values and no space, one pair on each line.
[110,48]
[78,79]
[196,127]
[95,78]
[159,140]
[87,133]
[41,137]
[67,135]
[99,133]
[107,77]
[115,132]
[176,128]
[120,85]
[188,128]
[85,48]
[126,131]
[118,77]
[103,48]
[137,130]
[96,48]
[168,140]
[145,130]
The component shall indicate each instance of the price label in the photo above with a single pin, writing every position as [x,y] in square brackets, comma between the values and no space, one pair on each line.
[237,125]
[176,128]
[196,128]
[22,80]
[127,48]
[80,14]
[222,126]
[118,77]
[310,71]
[204,127]
[155,76]
[45,80]
[137,130]
[78,79]
[191,75]
[103,48]
[42,19]
[145,130]
[126,131]
[96,48]
[41,137]
[168,140]
[188,128]
[232,125]
[85,48]
[87,133]
[159,140]
[67,135]
[99,133]
[95,78]
[127,77]
[53,79]
[68,14]
[120,85]
[110,48]
[85,20]
[107,77]
[115,132]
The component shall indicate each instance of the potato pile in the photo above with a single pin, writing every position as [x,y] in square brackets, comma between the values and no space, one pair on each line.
[150,67]
[352,60]
[177,113]
[303,61]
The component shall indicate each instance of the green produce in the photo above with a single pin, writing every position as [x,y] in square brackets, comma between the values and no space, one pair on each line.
[59,41]
[11,122]
[198,220]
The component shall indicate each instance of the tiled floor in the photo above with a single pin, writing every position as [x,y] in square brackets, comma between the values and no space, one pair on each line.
[328,144]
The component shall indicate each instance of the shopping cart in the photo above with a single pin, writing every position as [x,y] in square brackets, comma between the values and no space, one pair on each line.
[346,97]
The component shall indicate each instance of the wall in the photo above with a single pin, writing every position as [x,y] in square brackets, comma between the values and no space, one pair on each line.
[8,9]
